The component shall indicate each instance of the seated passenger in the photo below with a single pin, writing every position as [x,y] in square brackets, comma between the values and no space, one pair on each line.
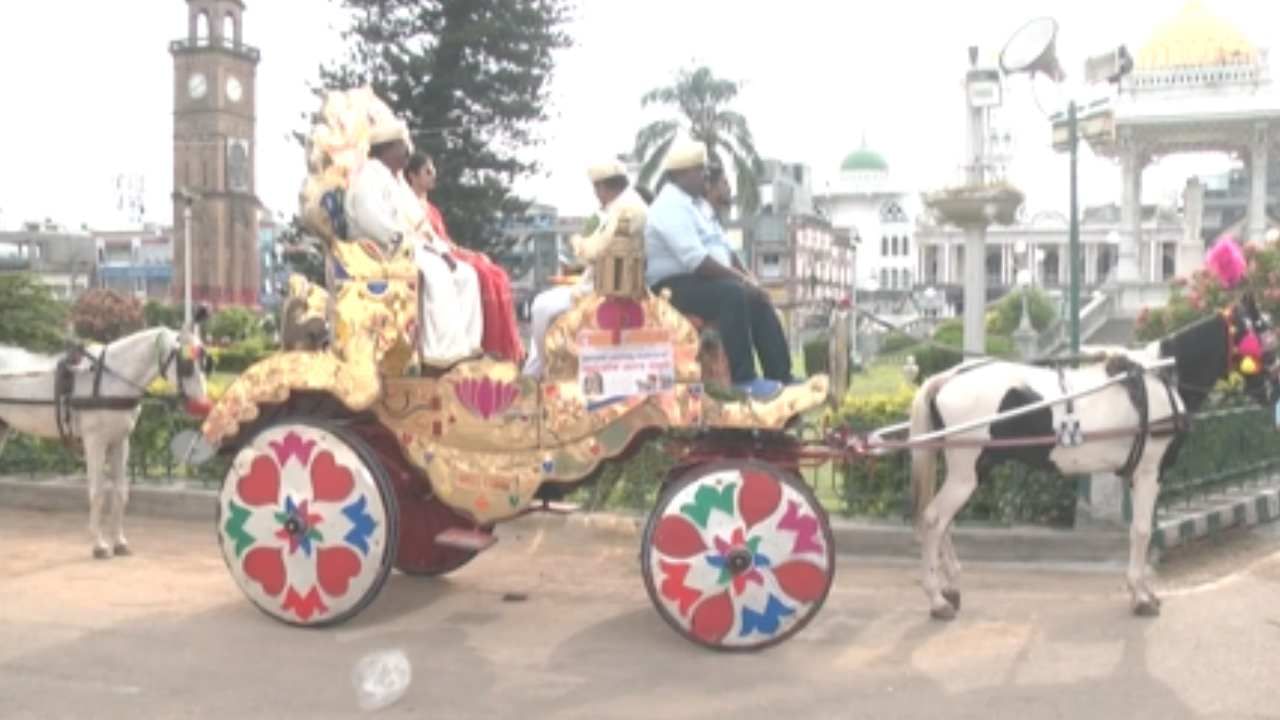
[613,191]
[381,207]
[687,253]
[501,334]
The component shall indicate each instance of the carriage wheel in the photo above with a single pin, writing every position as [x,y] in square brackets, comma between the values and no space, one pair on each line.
[738,555]
[306,520]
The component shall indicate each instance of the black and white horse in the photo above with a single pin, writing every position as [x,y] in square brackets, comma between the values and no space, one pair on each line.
[1131,428]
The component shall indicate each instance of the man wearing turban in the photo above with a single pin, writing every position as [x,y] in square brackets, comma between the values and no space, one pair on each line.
[615,194]
[381,207]
[687,253]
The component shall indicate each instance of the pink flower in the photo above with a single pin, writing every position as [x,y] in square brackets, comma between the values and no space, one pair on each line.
[1227,262]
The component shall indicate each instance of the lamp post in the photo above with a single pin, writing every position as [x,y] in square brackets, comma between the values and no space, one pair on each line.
[188,199]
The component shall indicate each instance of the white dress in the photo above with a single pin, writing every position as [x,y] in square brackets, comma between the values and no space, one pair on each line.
[380,206]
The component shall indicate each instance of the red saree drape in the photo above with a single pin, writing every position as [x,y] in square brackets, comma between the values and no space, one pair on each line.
[501,334]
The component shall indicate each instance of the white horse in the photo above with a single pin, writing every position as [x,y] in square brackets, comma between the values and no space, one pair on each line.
[102,406]
[1109,419]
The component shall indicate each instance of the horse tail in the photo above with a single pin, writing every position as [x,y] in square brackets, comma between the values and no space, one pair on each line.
[924,461]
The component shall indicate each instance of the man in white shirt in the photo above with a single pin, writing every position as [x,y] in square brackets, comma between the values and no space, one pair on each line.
[381,207]
[686,252]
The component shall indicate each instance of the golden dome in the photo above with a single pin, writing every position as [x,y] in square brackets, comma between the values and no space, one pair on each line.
[1196,38]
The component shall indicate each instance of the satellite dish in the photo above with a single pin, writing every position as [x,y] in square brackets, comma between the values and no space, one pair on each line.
[190,448]
[1031,50]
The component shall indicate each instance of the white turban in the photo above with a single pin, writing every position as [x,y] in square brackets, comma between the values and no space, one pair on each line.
[606,170]
[389,131]
[685,153]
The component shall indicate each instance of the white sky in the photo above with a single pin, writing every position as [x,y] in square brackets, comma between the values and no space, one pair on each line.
[88,90]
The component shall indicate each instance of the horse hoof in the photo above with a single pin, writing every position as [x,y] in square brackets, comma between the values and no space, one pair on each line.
[1147,608]
[101,553]
[122,550]
[952,596]
[946,612]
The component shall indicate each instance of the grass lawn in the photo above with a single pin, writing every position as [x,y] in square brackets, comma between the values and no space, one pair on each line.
[882,377]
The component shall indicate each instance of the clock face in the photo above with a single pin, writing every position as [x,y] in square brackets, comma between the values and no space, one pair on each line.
[197,86]
[234,90]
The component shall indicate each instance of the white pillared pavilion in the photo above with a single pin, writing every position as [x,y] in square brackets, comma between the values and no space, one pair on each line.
[1198,85]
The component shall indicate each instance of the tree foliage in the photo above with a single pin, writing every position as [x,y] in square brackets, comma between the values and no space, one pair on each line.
[30,316]
[701,101]
[104,315]
[471,77]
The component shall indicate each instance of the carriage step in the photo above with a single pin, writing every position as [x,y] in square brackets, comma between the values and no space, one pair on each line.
[462,539]
[558,508]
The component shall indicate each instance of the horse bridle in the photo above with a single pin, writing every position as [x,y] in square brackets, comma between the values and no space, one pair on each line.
[186,366]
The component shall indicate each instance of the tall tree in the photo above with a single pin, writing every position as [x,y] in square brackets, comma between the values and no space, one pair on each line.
[32,317]
[471,77]
[702,101]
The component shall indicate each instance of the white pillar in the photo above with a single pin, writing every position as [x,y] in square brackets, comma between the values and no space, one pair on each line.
[1258,157]
[1131,215]
[975,290]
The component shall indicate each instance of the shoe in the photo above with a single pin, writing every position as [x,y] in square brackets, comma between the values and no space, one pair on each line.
[760,389]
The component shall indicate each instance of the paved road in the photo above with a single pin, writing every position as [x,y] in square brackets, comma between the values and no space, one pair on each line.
[165,634]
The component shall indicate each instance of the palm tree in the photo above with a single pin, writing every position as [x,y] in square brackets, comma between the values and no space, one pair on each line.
[701,99]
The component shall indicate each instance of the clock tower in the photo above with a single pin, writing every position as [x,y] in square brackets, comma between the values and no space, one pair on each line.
[213,155]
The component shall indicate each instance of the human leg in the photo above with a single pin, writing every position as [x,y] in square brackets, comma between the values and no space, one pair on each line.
[547,306]
[724,303]
[769,339]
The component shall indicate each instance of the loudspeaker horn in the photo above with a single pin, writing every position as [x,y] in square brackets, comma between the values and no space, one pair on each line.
[1031,50]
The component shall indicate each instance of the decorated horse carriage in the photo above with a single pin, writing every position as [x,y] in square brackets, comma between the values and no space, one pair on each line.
[353,458]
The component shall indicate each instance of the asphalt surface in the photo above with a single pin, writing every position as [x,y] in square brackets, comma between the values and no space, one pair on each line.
[166,634]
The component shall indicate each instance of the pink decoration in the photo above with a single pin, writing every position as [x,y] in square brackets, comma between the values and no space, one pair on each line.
[1226,261]
[485,396]
[1250,346]
[618,314]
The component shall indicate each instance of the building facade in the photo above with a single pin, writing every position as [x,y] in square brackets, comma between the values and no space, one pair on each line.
[213,155]
[800,257]
[136,262]
[64,260]
[866,204]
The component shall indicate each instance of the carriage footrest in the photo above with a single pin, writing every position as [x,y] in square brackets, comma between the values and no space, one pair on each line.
[557,508]
[463,539]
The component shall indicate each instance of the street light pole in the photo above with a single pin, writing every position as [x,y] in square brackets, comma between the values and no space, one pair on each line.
[186,269]
[187,198]
[1073,240]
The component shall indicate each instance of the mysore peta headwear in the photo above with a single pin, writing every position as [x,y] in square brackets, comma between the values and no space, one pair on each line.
[388,130]
[606,170]
[685,153]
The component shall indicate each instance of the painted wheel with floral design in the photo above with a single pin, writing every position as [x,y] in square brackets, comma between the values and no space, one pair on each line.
[738,555]
[307,523]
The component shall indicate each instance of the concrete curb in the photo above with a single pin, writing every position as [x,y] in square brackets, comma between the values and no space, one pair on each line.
[1239,509]
[865,539]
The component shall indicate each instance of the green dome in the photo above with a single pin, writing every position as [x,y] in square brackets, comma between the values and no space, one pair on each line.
[864,160]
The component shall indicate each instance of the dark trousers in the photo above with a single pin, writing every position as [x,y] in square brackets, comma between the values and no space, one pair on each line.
[744,318]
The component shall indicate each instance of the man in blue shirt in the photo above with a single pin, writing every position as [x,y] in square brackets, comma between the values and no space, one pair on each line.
[687,253]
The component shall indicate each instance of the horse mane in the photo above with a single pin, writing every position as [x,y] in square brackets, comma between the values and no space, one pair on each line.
[1199,351]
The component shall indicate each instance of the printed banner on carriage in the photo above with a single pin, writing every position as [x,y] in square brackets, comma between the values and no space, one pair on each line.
[641,362]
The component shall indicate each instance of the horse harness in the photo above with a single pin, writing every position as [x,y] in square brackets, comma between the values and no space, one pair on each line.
[64,400]
[1071,435]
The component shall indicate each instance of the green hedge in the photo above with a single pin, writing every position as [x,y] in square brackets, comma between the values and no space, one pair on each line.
[149,456]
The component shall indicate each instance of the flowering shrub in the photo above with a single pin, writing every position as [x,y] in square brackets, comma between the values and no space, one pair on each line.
[103,315]
[1202,293]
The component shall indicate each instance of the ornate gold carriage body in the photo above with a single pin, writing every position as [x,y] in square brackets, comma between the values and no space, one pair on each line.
[415,467]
